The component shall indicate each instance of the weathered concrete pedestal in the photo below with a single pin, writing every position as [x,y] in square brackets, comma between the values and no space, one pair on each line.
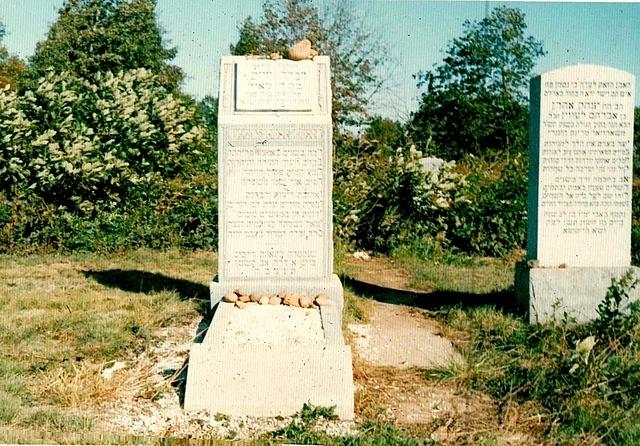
[580,181]
[548,293]
[271,376]
[275,235]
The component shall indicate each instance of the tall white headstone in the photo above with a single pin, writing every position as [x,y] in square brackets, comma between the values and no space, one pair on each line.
[275,176]
[275,234]
[580,180]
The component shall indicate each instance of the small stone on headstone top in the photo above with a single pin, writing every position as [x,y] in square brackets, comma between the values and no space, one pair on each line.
[291,299]
[301,50]
[305,301]
[231,297]
[255,297]
[322,300]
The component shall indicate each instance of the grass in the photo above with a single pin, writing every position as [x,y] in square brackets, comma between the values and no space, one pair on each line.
[582,380]
[456,273]
[302,430]
[65,318]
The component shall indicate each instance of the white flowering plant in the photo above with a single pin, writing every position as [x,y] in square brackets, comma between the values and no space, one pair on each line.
[77,147]
[384,197]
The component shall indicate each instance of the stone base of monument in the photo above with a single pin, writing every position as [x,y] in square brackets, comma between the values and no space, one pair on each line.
[547,293]
[332,288]
[269,360]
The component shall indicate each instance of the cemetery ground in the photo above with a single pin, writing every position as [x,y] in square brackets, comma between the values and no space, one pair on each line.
[94,348]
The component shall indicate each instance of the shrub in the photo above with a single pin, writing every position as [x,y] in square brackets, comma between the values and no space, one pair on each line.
[584,378]
[493,219]
[83,161]
[635,226]
[383,198]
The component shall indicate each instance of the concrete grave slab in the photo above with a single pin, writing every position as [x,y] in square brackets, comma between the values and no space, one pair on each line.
[269,360]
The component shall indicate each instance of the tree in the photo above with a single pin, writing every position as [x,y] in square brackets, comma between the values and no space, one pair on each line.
[11,66]
[96,36]
[337,32]
[475,100]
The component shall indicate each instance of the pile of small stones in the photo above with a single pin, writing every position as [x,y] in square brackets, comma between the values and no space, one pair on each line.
[242,299]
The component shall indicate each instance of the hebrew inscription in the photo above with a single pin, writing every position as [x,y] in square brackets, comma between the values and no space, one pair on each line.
[585,167]
[275,200]
[285,86]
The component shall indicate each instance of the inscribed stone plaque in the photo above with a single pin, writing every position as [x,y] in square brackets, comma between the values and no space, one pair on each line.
[262,85]
[580,177]
[275,202]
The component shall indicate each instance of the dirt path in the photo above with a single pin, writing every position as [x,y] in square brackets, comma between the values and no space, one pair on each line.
[380,271]
[394,352]
[402,336]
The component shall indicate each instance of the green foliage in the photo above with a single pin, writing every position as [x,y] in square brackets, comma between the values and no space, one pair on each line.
[385,131]
[302,430]
[475,100]
[103,164]
[635,225]
[493,219]
[249,41]
[617,315]
[92,37]
[384,198]
[636,142]
[337,32]
[208,112]
[584,378]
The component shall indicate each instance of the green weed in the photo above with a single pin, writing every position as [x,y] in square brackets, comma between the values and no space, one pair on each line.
[585,378]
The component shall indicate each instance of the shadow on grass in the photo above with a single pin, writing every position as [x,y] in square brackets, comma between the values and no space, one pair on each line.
[504,300]
[136,281]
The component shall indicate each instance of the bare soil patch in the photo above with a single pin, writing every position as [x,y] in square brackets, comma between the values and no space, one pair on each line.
[380,271]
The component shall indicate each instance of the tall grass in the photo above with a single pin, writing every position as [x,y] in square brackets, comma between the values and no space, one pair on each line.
[583,378]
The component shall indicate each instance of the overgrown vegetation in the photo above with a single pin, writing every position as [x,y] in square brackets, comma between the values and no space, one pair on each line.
[104,164]
[93,37]
[302,430]
[384,200]
[583,378]
[99,151]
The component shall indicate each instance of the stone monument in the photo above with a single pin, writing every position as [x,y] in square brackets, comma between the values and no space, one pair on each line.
[275,236]
[580,180]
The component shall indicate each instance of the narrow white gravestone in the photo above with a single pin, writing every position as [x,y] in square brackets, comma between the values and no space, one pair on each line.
[580,180]
[275,235]
[581,167]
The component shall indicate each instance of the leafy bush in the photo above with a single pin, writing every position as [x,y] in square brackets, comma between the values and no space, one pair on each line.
[493,219]
[83,163]
[635,226]
[384,198]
